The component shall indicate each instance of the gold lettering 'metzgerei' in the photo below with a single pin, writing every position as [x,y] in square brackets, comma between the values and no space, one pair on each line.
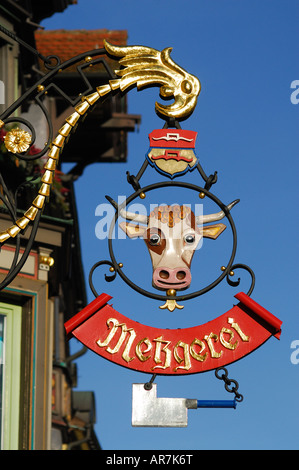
[162,352]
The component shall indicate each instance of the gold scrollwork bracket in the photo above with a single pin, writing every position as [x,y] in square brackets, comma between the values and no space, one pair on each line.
[142,67]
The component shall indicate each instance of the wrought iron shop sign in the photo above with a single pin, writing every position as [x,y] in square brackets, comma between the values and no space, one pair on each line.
[171,232]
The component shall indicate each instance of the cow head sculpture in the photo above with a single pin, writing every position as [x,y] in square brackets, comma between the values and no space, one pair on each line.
[172,234]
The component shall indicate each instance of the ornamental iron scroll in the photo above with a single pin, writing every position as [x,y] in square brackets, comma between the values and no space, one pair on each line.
[141,67]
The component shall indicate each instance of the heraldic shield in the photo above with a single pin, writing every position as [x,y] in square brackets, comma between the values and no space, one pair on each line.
[172,151]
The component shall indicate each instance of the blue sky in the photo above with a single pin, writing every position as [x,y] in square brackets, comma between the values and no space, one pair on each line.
[245,54]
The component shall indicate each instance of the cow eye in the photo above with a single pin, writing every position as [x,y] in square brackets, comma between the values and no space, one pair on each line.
[154,239]
[189,238]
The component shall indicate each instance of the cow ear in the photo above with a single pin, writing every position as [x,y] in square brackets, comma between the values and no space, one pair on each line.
[213,231]
[132,230]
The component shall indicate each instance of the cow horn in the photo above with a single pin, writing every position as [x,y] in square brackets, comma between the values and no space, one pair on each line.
[204,219]
[141,218]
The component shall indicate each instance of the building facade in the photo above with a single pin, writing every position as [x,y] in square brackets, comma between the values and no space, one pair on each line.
[40,408]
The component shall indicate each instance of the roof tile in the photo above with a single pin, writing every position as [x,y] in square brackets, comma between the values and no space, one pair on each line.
[69,43]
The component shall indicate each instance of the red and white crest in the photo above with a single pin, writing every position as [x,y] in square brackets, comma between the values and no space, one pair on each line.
[172,151]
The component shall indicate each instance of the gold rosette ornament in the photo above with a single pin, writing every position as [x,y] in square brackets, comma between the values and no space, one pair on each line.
[17,141]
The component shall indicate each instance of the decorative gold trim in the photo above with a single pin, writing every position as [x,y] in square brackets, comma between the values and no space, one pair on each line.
[13,231]
[82,107]
[23,222]
[58,141]
[39,201]
[4,236]
[50,164]
[47,177]
[17,140]
[92,98]
[44,190]
[171,304]
[103,89]
[31,213]
[65,129]
[73,118]
[143,66]
[54,152]
[48,260]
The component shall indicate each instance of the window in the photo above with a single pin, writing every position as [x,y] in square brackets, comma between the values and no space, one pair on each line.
[8,68]
[25,421]
[10,374]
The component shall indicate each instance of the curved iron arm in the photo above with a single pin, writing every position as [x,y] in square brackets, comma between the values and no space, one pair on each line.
[183,87]
[36,93]
[107,278]
[142,67]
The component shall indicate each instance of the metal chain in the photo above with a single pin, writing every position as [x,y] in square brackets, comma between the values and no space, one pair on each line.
[228,382]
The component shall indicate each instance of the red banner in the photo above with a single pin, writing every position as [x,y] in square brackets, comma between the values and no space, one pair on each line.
[217,343]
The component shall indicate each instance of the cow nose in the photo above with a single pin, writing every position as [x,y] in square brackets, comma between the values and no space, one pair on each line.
[177,278]
[180,275]
[164,274]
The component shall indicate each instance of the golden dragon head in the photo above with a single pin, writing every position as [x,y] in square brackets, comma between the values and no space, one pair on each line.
[144,66]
